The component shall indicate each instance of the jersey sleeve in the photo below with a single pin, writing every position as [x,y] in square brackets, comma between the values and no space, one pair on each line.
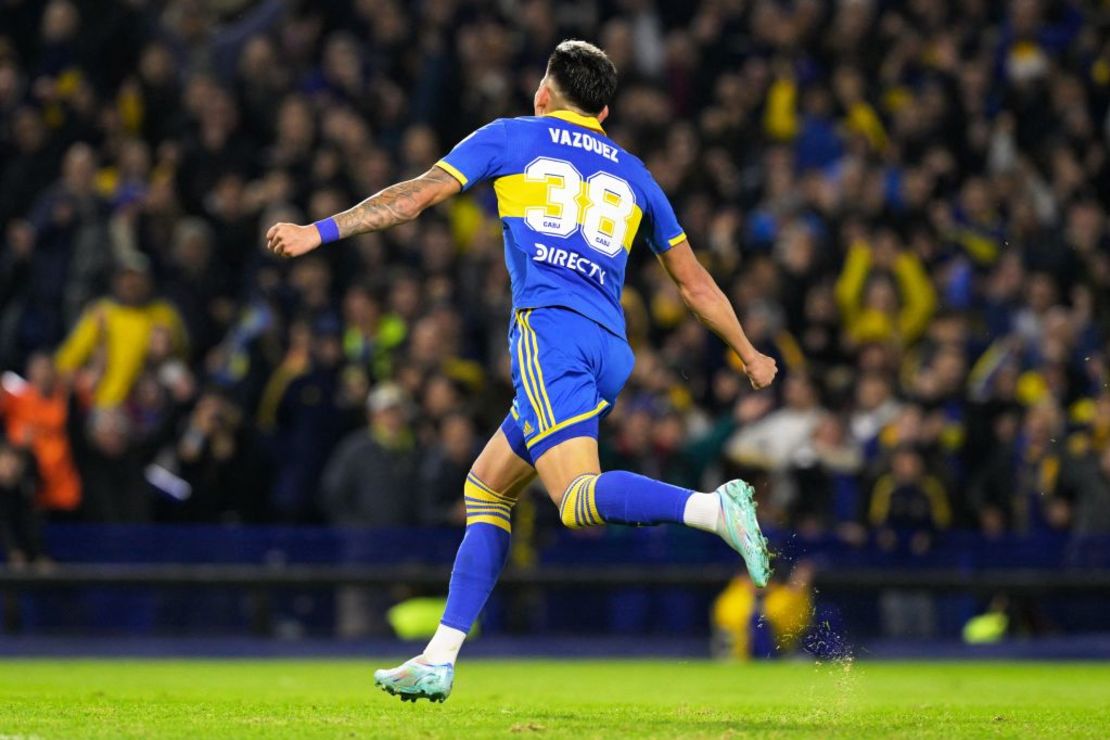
[479,156]
[663,231]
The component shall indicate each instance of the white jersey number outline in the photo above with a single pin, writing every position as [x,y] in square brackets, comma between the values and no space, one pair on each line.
[605,217]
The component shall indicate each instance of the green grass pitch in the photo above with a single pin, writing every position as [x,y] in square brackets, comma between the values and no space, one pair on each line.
[604,699]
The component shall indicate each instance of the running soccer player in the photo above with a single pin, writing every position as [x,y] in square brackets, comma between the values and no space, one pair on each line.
[571,203]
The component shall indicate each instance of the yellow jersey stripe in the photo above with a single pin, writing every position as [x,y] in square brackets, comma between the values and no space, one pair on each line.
[516,194]
[452,171]
[525,372]
[601,406]
[677,239]
[539,368]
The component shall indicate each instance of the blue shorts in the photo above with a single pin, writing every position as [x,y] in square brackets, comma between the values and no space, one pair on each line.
[567,373]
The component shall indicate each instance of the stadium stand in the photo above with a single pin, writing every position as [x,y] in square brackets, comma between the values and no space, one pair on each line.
[905,201]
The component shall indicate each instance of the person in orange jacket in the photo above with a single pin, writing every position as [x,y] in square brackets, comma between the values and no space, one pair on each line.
[36,413]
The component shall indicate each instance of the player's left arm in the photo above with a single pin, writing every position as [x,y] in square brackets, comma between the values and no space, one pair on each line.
[396,204]
[708,302]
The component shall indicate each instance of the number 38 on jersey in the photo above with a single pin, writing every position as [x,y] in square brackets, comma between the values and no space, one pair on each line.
[601,205]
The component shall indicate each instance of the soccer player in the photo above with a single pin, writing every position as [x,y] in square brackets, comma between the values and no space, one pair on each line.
[571,204]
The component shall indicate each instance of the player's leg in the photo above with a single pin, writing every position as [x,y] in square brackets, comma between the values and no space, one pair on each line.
[492,486]
[570,471]
[571,474]
[497,477]
[571,371]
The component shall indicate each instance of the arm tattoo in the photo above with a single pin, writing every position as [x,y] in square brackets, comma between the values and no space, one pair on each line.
[396,204]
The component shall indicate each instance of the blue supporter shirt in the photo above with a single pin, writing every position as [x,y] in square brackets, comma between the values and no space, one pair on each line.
[571,203]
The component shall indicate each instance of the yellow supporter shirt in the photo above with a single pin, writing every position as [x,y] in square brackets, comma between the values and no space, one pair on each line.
[123,333]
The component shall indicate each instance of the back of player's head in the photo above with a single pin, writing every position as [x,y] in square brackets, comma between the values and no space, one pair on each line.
[583,74]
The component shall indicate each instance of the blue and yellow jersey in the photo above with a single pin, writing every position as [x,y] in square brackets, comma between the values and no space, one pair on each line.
[571,204]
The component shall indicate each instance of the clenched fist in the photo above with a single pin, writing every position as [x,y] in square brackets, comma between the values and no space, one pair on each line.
[291,240]
[761,371]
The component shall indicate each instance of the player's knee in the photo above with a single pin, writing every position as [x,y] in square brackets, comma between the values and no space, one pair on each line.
[577,509]
[484,505]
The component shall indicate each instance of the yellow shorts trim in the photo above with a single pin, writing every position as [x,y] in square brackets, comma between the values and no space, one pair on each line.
[523,358]
[601,406]
[540,383]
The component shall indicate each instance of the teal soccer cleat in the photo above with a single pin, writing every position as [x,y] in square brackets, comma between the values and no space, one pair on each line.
[742,529]
[415,679]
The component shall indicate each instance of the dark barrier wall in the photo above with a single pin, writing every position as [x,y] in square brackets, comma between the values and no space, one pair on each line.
[288,581]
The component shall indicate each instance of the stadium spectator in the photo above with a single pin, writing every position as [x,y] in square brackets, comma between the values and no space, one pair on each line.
[29,162]
[111,466]
[1036,507]
[371,479]
[20,538]
[992,486]
[742,616]
[909,505]
[370,336]
[825,493]
[905,201]
[196,286]
[908,508]
[1085,487]
[875,406]
[63,244]
[36,416]
[443,470]
[884,292]
[771,442]
[214,456]
[309,422]
[115,333]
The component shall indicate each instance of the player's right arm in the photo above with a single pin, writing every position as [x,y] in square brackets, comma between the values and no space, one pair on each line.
[708,302]
[477,157]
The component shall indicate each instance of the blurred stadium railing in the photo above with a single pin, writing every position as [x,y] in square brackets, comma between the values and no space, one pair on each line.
[136,579]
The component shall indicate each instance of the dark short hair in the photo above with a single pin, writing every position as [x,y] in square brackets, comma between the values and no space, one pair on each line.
[583,74]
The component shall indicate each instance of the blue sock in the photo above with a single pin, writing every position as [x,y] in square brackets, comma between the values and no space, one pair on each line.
[481,555]
[619,497]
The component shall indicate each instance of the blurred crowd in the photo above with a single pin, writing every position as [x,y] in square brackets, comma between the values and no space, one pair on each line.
[903,199]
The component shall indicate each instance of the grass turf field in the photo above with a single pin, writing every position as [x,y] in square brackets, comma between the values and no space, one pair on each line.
[317,698]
